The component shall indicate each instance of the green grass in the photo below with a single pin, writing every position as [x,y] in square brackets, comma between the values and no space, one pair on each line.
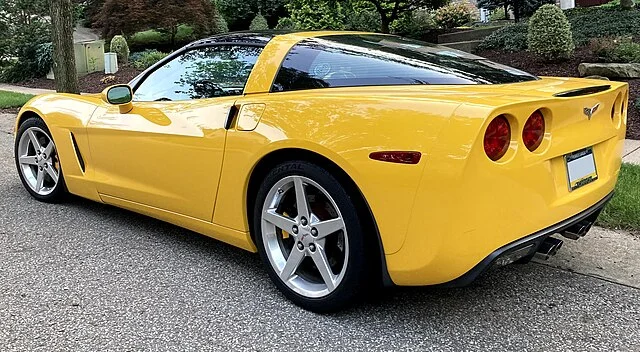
[13,100]
[623,212]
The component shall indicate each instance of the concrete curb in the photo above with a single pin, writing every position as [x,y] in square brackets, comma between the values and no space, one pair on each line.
[631,152]
[603,253]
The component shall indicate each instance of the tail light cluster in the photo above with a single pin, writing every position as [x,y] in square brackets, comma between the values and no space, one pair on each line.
[497,136]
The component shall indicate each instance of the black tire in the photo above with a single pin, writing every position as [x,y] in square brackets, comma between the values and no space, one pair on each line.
[59,192]
[355,276]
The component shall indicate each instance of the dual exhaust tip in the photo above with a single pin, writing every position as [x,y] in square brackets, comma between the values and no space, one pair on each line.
[550,246]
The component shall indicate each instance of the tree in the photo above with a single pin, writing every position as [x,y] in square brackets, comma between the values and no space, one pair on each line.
[316,14]
[24,26]
[167,15]
[391,10]
[124,17]
[64,62]
[218,23]
[259,23]
[520,8]
[239,13]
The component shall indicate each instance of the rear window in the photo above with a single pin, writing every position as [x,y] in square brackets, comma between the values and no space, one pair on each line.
[371,60]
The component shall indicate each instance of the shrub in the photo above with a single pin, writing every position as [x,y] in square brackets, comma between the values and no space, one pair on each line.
[319,15]
[219,24]
[602,47]
[626,52]
[497,14]
[286,23]
[145,59]
[259,23]
[365,20]
[44,57]
[120,47]
[550,33]
[414,24]
[594,22]
[153,39]
[509,38]
[453,15]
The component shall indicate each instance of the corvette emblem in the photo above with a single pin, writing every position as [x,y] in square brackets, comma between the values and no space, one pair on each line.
[590,111]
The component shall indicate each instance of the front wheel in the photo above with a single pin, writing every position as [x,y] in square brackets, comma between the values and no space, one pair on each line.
[309,236]
[37,161]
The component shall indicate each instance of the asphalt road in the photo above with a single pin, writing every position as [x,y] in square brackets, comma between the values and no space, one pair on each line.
[89,277]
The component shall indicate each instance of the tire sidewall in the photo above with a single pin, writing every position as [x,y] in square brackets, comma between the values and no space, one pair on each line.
[59,192]
[353,279]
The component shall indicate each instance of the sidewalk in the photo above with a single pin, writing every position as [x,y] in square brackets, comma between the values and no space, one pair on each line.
[631,152]
[24,90]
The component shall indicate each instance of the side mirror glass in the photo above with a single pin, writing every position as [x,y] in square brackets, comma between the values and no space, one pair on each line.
[119,95]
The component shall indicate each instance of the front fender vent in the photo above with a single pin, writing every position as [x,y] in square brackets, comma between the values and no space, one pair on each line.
[78,154]
[582,91]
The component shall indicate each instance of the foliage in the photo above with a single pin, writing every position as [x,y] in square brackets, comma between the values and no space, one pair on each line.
[414,24]
[627,52]
[122,17]
[285,23]
[623,210]
[626,4]
[92,11]
[24,26]
[144,60]
[259,23]
[621,50]
[13,100]
[363,19]
[453,15]
[44,57]
[316,15]
[594,22]
[153,39]
[520,8]
[120,47]
[168,15]
[550,34]
[497,14]
[239,13]
[510,38]
[391,10]
[218,23]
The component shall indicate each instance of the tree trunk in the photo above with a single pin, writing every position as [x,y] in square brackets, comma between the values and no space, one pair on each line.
[506,10]
[626,4]
[64,62]
[384,27]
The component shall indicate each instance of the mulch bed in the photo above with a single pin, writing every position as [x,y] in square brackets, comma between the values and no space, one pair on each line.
[530,63]
[92,83]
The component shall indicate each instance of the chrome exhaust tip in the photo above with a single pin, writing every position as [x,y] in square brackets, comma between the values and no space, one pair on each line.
[548,248]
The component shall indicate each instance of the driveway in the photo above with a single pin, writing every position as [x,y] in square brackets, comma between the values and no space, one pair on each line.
[82,276]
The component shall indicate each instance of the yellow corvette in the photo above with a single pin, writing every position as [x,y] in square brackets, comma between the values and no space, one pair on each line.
[345,159]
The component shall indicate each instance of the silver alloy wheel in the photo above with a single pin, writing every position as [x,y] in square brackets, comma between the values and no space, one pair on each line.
[38,161]
[308,251]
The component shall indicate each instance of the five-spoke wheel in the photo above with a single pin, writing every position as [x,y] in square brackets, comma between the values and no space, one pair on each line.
[309,236]
[37,161]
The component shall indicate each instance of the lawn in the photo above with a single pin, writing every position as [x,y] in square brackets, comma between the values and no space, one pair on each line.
[624,209]
[13,100]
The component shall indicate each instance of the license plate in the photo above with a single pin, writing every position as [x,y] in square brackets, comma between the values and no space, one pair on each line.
[581,168]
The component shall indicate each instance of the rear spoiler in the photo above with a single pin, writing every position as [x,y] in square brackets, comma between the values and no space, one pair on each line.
[582,91]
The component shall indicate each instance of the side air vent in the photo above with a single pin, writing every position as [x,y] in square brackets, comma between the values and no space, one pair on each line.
[582,91]
[78,154]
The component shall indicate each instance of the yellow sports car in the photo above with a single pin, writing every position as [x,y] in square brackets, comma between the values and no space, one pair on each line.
[346,159]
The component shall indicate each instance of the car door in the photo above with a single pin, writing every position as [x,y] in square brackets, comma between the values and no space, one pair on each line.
[167,151]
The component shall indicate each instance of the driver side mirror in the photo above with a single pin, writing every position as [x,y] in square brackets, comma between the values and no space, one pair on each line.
[120,95]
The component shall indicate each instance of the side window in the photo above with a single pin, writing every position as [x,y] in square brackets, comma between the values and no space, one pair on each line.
[200,73]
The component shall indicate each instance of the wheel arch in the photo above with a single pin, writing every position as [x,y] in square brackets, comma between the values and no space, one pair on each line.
[268,161]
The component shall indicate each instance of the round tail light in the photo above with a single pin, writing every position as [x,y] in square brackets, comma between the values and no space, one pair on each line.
[533,131]
[497,138]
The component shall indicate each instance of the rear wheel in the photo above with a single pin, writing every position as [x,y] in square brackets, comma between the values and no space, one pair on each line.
[37,161]
[309,236]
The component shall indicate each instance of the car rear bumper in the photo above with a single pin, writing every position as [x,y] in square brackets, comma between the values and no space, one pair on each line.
[529,245]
